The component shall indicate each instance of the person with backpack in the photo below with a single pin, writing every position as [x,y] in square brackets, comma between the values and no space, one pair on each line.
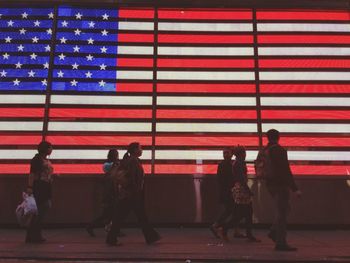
[130,181]
[273,166]
[109,194]
[40,185]
[241,196]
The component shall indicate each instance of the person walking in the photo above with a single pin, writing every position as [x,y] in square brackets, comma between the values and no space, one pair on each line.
[131,196]
[39,184]
[279,182]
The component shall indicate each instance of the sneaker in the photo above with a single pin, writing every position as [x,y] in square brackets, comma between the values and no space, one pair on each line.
[214,230]
[223,234]
[90,231]
[285,248]
[153,240]
[253,239]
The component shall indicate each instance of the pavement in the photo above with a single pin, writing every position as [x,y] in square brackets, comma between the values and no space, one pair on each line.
[177,245]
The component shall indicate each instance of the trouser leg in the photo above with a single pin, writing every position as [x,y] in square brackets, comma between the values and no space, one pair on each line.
[279,228]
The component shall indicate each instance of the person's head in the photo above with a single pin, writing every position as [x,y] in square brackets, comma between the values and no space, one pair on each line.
[273,135]
[112,156]
[44,148]
[240,152]
[227,153]
[134,149]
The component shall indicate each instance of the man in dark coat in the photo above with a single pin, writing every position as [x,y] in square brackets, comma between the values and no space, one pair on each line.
[279,184]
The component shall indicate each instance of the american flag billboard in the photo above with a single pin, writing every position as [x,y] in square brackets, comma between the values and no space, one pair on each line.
[184,82]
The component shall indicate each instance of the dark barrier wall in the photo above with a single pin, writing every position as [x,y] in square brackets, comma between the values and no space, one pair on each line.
[184,200]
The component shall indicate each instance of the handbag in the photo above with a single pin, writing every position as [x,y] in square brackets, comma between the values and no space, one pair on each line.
[26,210]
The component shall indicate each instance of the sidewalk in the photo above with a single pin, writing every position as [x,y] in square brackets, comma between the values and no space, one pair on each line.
[177,245]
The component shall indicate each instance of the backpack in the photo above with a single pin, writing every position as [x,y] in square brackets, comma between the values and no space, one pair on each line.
[263,164]
[121,181]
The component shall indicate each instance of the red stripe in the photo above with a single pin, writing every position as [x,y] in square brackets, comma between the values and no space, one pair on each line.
[205,63]
[304,63]
[206,114]
[22,169]
[206,88]
[124,37]
[307,141]
[135,13]
[212,14]
[207,39]
[306,114]
[302,15]
[20,139]
[303,39]
[320,170]
[86,168]
[220,141]
[102,140]
[135,62]
[100,113]
[22,112]
[134,87]
[305,88]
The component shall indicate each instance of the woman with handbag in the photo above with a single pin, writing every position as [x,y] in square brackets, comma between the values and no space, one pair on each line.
[39,184]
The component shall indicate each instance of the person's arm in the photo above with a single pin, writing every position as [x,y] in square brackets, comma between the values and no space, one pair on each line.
[289,175]
[34,169]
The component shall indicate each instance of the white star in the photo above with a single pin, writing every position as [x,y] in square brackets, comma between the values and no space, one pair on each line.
[91,41]
[35,39]
[75,65]
[88,74]
[103,67]
[64,23]
[91,24]
[102,83]
[20,47]
[60,74]
[73,82]
[78,16]
[44,82]
[0,15]
[6,56]
[105,17]
[8,39]
[3,73]
[49,31]
[104,32]
[89,57]
[16,82]
[76,49]
[18,65]
[24,15]
[46,65]
[63,40]
[22,31]
[31,73]
[37,23]
[10,23]
[77,32]
[33,56]
[48,48]
[62,56]
[51,15]
[103,49]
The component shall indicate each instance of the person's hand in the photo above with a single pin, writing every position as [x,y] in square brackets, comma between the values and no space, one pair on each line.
[298,193]
[29,191]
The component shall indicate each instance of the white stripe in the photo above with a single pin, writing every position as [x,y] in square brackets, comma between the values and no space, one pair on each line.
[196,75]
[307,27]
[195,155]
[206,51]
[285,75]
[135,25]
[100,126]
[304,51]
[21,126]
[16,154]
[101,100]
[90,154]
[318,156]
[22,99]
[304,101]
[307,128]
[206,101]
[206,127]
[126,74]
[135,50]
[209,27]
